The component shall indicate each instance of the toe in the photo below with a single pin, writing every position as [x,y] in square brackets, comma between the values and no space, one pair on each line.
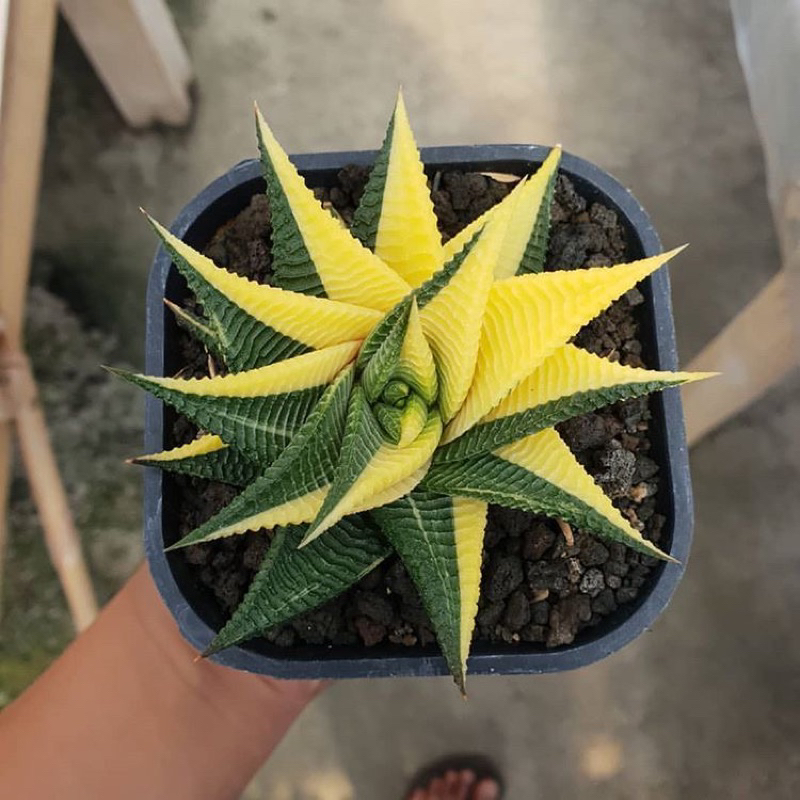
[487,789]
[466,780]
[452,785]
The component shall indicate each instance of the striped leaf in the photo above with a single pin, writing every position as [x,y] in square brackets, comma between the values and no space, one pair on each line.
[291,581]
[380,355]
[529,317]
[258,411]
[525,244]
[526,211]
[395,217]
[206,457]
[397,352]
[292,489]
[440,540]
[568,383]
[361,441]
[452,318]
[416,366]
[539,474]
[368,214]
[254,324]
[389,466]
[311,252]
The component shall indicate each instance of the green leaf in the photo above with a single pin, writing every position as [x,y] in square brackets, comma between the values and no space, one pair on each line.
[529,317]
[384,345]
[199,328]
[294,485]
[390,418]
[242,341]
[570,382]
[399,224]
[258,411]
[396,393]
[440,541]
[539,474]
[224,464]
[368,214]
[291,581]
[312,252]
[536,249]
[292,265]
[488,436]
[430,289]
[374,341]
[361,441]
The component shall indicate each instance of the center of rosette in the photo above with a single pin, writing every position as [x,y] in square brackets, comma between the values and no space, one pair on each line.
[398,374]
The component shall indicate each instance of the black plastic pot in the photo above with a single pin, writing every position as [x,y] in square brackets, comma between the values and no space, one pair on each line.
[195,609]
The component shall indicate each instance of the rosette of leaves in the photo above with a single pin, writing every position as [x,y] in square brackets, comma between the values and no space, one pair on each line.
[387,386]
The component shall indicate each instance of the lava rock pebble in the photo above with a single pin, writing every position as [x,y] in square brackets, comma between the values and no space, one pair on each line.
[503,576]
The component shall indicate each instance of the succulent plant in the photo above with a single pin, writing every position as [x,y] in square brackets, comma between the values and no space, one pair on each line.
[387,386]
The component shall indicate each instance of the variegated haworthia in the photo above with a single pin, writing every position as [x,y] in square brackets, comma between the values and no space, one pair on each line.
[387,387]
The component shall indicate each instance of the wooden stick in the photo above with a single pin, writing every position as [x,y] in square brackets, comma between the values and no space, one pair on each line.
[138,55]
[4,6]
[30,28]
[48,492]
[752,353]
[31,25]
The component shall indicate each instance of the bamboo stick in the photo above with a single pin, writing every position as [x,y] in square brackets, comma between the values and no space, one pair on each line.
[26,68]
[62,540]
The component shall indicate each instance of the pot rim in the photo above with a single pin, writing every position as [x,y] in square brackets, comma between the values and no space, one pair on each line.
[488,658]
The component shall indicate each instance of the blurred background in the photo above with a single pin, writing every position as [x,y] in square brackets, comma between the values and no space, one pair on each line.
[707,705]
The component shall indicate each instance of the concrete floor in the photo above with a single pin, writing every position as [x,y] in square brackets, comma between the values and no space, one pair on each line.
[708,704]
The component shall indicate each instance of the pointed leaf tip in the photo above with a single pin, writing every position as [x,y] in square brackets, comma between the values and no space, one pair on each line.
[119,373]
[312,252]
[395,217]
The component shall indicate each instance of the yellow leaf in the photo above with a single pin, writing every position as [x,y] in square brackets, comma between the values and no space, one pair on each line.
[294,374]
[394,492]
[314,321]
[469,517]
[571,370]
[546,456]
[523,213]
[202,445]
[528,317]
[416,366]
[349,272]
[413,420]
[408,238]
[452,319]
[294,512]
[387,467]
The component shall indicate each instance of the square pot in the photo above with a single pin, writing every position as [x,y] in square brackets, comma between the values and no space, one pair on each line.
[195,609]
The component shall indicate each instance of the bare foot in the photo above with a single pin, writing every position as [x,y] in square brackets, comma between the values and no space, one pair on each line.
[461,785]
